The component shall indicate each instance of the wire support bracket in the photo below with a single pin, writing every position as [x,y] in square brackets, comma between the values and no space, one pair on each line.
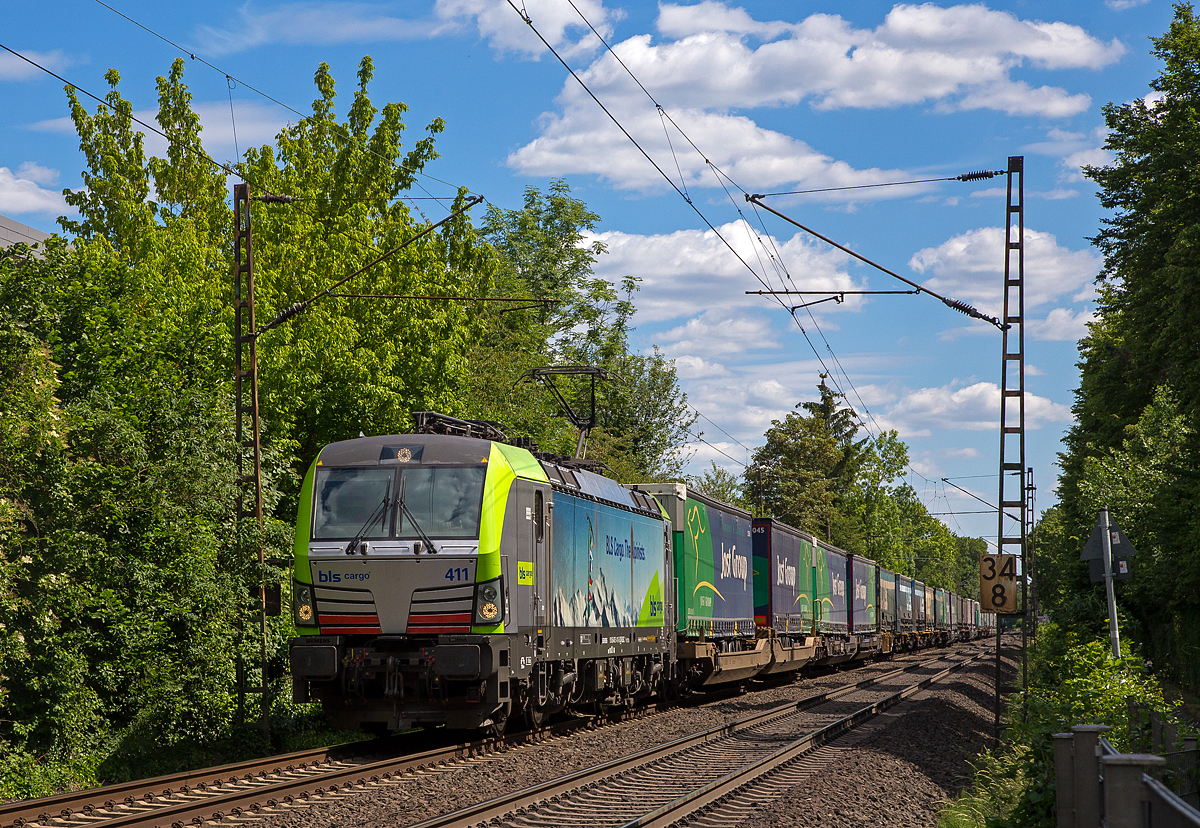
[961,307]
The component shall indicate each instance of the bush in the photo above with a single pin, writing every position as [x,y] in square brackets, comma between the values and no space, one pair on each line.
[1072,681]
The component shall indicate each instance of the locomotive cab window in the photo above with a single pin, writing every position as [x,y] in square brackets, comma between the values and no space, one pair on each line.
[445,501]
[347,502]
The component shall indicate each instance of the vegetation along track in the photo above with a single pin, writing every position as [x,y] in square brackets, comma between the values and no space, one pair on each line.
[248,788]
[662,785]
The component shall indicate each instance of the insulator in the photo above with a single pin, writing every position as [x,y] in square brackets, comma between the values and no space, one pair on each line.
[963,307]
[978,175]
[288,313]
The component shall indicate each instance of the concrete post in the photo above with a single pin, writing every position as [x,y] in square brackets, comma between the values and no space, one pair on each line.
[1064,780]
[1137,734]
[1123,787]
[1087,774]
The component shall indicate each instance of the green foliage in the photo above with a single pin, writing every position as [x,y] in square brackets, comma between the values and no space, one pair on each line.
[543,254]
[719,484]
[1073,680]
[790,474]
[125,583]
[124,587]
[1135,445]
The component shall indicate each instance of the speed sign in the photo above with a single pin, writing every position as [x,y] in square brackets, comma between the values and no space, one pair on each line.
[998,583]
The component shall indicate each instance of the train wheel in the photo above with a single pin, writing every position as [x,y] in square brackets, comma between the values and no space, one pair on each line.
[499,721]
[535,716]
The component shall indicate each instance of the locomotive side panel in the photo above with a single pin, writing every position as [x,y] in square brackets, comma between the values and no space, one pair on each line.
[609,566]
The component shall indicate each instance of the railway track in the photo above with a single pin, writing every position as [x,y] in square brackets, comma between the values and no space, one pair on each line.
[245,790]
[665,784]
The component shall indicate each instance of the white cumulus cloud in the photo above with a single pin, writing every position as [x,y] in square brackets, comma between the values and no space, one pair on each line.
[560,24]
[318,22]
[976,407]
[12,68]
[1060,325]
[970,267]
[716,332]
[713,58]
[20,193]
[690,271]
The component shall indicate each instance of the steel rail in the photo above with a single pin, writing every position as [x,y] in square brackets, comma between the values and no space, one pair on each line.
[195,796]
[712,792]
[82,804]
[498,807]
[17,813]
[188,805]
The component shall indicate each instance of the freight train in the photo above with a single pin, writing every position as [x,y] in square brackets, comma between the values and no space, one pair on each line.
[454,577]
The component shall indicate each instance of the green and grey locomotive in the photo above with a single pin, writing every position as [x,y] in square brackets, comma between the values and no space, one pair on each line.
[449,579]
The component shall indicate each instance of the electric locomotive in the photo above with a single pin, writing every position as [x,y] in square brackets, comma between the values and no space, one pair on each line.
[454,578]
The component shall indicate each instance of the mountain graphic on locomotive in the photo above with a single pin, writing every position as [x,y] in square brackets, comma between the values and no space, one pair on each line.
[456,578]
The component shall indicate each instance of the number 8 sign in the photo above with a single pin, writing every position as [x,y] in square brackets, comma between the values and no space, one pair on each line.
[998,583]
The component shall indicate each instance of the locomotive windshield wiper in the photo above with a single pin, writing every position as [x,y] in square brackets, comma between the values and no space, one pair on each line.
[378,512]
[404,508]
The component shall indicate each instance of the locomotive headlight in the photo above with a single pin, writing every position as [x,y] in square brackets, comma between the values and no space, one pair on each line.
[302,604]
[488,603]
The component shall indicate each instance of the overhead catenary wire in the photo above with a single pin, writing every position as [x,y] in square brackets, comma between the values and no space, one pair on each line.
[774,258]
[980,499]
[978,175]
[666,177]
[529,22]
[961,307]
[226,168]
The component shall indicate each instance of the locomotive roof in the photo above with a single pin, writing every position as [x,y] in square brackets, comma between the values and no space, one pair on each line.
[423,448]
[439,449]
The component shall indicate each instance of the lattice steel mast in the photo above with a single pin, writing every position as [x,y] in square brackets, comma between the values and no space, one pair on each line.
[247,433]
[1012,386]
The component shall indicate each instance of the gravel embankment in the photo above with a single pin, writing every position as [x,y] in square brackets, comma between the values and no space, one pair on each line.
[416,797]
[901,771]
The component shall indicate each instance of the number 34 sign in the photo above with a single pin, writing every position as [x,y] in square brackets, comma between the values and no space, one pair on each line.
[998,589]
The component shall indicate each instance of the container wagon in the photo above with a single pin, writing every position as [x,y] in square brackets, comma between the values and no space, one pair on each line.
[714,575]
[783,594]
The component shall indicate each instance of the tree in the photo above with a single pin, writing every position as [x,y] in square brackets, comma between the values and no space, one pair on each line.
[816,474]
[121,591]
[720,484]
[790,474]
[642,414]
[1134,446]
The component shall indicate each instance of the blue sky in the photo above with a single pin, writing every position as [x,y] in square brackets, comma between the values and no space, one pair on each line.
[778,96]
